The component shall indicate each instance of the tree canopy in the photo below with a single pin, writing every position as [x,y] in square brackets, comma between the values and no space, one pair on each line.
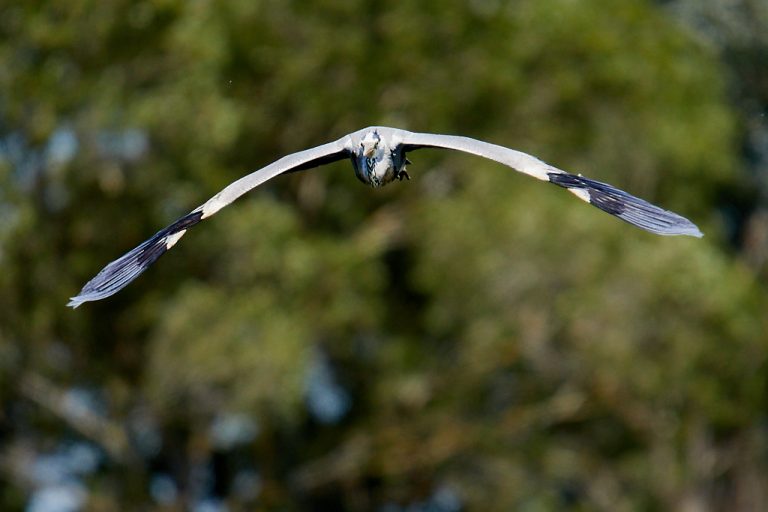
[469,340]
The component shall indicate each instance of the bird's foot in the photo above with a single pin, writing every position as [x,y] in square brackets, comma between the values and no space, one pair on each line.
[403,174]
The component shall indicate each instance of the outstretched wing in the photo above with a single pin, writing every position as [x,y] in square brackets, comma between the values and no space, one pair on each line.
[610,199]
[116,275]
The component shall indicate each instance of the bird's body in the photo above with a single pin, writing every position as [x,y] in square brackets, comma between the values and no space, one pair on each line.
[379,161]
[378,156]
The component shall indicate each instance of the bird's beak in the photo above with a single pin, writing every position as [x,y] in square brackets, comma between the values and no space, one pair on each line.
[368,151]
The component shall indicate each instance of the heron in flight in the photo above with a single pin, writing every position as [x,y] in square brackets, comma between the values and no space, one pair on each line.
[378,157]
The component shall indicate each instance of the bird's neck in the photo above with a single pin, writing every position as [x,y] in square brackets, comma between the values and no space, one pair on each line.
[378,168]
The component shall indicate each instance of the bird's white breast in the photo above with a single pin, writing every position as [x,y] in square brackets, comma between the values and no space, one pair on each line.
[378,169]
[383,164]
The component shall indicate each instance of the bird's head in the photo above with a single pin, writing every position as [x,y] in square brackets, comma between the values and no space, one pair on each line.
[369,143]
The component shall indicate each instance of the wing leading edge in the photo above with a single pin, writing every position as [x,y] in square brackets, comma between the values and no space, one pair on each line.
[608,198]
[119,273]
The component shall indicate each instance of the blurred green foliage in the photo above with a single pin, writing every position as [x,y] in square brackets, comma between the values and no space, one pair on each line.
[470,340]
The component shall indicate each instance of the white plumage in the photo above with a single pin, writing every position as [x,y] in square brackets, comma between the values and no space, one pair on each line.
[378,156]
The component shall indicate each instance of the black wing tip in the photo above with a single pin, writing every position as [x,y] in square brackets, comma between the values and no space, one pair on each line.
[675,226]
[627,207]
[121,272]
[77,301]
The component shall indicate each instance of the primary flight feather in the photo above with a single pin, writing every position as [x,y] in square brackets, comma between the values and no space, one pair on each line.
[378,157]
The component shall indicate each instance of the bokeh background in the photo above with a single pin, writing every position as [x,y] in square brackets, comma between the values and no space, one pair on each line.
[470,340]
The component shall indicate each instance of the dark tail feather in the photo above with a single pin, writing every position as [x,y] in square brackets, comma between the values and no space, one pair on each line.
[118,274]
[627,207]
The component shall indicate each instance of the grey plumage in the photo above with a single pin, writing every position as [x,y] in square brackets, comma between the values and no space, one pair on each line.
[378,157]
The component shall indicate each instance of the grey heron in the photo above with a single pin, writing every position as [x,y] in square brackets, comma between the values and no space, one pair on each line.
[378,157]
